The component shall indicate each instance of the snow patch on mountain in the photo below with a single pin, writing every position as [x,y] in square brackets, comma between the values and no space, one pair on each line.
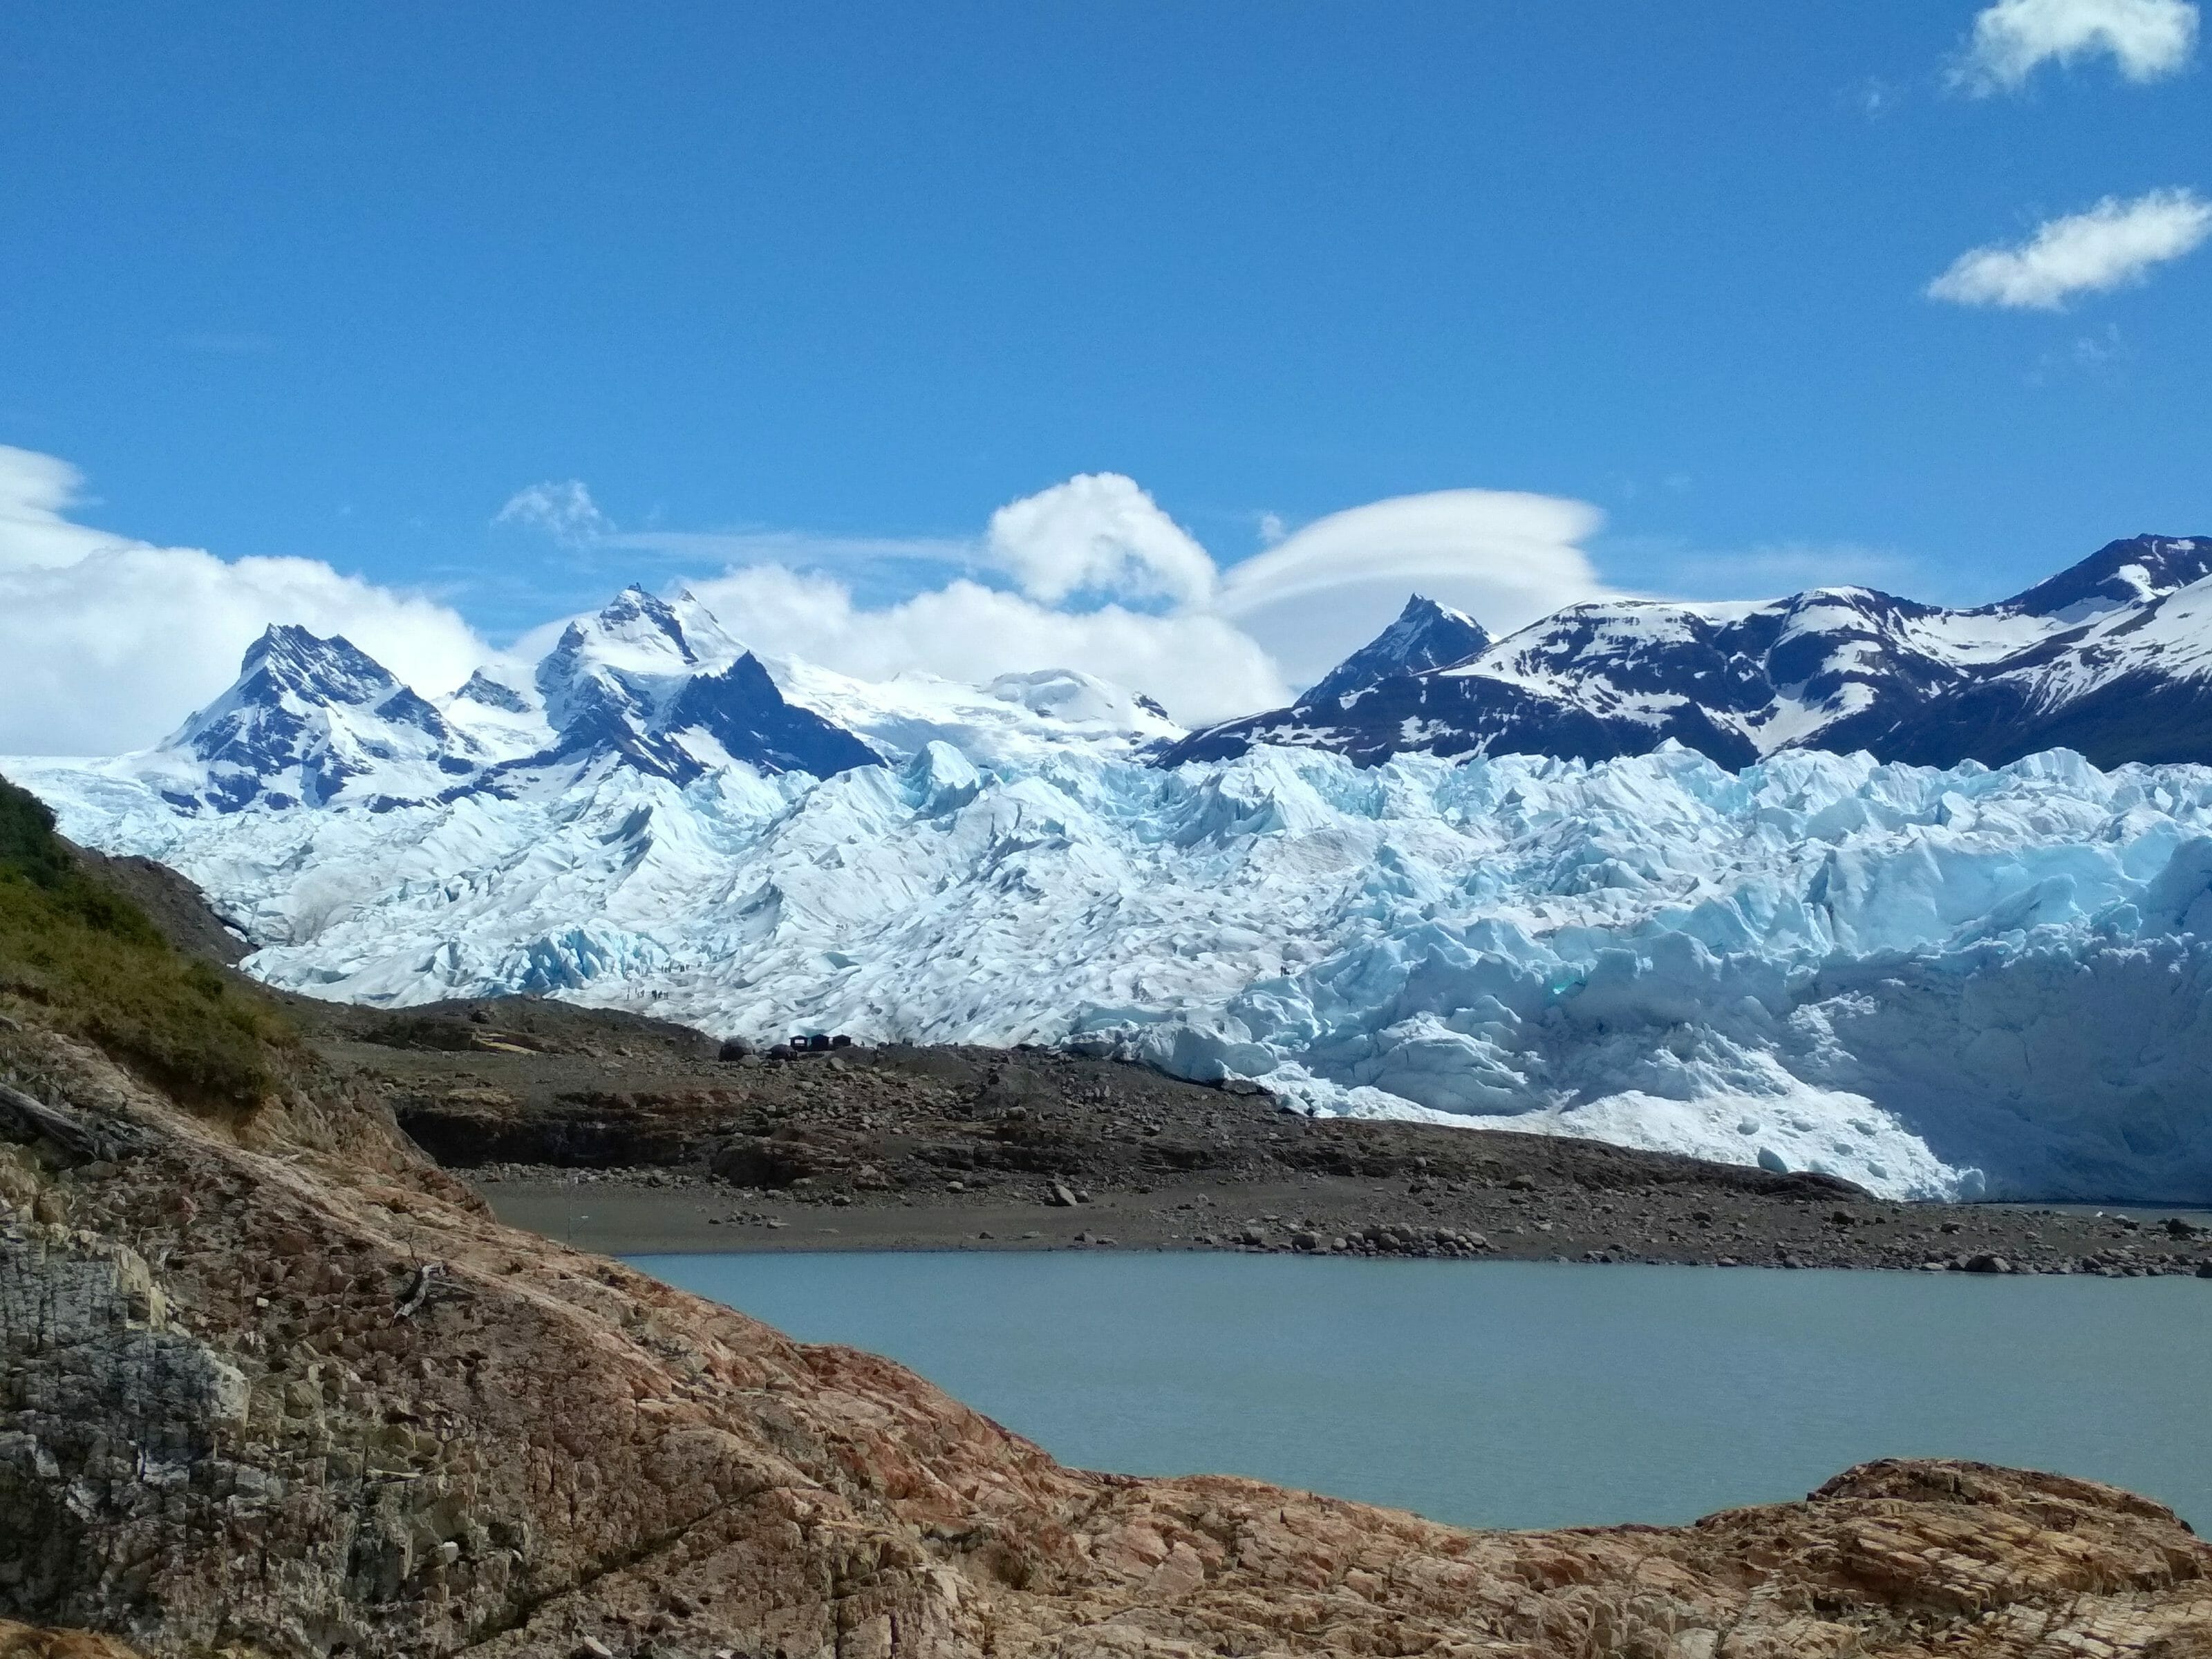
[1016,718]
[2113,657]
[1932,982]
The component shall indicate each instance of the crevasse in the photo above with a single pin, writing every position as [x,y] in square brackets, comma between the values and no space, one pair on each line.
[1956,983]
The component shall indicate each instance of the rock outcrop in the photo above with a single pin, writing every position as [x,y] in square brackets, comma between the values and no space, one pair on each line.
[281,1388]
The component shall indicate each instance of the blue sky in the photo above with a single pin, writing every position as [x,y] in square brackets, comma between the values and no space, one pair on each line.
[336,282]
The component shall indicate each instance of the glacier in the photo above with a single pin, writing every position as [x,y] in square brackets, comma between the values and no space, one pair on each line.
[1957,982]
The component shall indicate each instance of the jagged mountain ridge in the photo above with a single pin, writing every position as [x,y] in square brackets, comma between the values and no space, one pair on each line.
[305,716]
[648,685]
[664,689]
[2111,658]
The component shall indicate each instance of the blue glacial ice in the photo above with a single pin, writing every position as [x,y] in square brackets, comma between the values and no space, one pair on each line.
[1935,982]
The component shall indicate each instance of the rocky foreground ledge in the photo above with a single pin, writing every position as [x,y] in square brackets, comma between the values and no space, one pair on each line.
[273,1384]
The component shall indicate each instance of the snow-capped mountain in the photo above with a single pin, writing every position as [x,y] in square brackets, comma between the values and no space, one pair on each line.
[646,685]
[1931,980]
[1014,720]
[2113,657]
[306,718]
[1426,635]
[661,688]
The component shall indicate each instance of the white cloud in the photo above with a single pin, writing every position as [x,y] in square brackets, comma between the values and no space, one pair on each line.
[2113,243]
[563,510]
[1505,558]
[35,532]
[1227,643]
[2146,39]
[1199,666]
[107,643]
[1098,533]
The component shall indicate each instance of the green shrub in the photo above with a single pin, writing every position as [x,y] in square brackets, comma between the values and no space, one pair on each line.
[88,958]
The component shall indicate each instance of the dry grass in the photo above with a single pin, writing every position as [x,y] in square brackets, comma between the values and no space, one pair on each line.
[89,962]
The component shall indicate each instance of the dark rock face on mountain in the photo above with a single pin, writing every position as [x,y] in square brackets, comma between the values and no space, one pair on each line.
[2113,657]
[2119,574]
[636,684]
[1426,636]
[306,715]
[742,712]
[645,684]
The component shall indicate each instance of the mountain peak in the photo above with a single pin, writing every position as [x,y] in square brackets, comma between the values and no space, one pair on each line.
[2112,659]
[2126,572]
[304,714]
[637,632]
[1426,636]
[289,658]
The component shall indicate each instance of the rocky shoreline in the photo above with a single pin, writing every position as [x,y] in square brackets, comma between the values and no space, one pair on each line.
[627,1212]
[627,1136]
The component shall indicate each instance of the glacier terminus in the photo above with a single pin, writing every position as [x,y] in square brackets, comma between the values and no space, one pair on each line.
[1958,980]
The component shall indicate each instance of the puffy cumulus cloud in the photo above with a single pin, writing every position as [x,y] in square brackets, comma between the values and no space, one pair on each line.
[1098,533]
[1200,666]
[563,510]
[2111,245]
[107,643]
[2146,39]
[1503,558]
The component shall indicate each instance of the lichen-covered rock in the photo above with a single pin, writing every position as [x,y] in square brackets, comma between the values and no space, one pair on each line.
[24,1642]
[289,1392]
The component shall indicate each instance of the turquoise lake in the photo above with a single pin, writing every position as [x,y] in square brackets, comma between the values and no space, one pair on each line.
[1523,1393]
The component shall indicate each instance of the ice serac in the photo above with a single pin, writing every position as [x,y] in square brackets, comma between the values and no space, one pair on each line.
[2112,658]
[1930,981]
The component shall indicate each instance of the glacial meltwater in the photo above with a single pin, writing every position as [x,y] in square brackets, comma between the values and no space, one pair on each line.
[1521,1394]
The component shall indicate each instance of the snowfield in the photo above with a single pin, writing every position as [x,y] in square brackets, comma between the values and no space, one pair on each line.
[1935,982]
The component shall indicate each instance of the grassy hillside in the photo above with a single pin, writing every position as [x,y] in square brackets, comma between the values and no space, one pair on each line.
[88,961]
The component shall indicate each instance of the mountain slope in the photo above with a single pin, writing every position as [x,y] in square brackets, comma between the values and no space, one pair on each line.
[305,718]
[1426,636]
[2113,657]
[645,686]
